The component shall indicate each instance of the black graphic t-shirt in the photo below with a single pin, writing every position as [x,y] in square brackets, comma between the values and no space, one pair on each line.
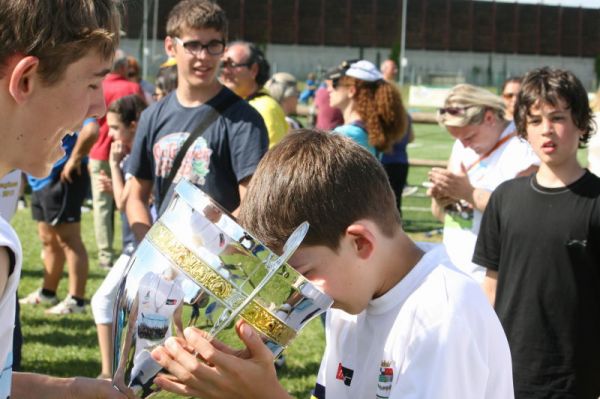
[227,152]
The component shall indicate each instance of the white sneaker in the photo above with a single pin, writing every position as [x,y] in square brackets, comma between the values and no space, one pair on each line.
[66,306]
[37,298]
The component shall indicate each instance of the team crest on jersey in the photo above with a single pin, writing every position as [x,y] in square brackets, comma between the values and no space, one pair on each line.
[345,374]
[385,380]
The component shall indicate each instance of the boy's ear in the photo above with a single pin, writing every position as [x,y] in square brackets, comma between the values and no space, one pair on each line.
[22,77]
[170,46]
[362,239]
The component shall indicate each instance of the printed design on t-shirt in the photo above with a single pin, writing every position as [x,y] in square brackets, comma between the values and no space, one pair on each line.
[194,166]
[385,380]
[345,374]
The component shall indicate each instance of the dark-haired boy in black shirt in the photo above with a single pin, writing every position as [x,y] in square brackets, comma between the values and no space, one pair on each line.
[539,241]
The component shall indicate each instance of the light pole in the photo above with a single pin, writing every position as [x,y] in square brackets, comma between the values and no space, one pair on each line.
[401,64]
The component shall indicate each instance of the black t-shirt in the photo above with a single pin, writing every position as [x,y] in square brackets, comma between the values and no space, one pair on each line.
[544,244]
[227,152]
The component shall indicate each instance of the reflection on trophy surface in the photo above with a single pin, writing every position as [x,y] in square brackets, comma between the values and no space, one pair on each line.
[198,267]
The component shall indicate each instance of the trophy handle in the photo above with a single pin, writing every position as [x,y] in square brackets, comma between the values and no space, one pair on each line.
[290,246]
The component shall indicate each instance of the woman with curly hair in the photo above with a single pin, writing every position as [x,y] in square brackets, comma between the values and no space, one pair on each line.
[374,116]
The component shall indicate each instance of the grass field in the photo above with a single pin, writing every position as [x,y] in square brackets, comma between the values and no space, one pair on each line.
[66,346]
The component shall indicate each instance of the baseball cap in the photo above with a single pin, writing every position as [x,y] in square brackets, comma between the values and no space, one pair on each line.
[364,70]
[359,69]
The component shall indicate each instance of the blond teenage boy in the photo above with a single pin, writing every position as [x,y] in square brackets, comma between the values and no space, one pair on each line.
[406,324]
[540,242]
[52,61]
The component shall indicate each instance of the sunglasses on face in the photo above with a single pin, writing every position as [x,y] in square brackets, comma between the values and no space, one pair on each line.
[195,47]
[509,96]
[453,110]
[229,63]
[335,83]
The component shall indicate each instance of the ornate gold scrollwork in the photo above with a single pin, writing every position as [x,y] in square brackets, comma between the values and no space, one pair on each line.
[254,313]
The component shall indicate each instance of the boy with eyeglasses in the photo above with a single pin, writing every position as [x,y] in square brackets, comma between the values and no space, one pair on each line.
[222,158]
[540,242]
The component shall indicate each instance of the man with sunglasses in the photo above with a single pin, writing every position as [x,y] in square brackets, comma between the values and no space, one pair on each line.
[223,155]
[245,70]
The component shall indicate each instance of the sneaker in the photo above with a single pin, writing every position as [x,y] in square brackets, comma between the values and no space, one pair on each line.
[66,306]
[37,298]
[409,190]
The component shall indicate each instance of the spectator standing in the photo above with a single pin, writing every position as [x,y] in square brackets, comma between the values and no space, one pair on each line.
[115,85]
[222,157]
[373,113]
[283,87]
[486,152]
[540,243]
[404,323]
[134,75]
[328,117]
[309,89]
[389,70]
[510,91]
[395,161]
[245,70]
[56,202]
[51,81]
[166,82]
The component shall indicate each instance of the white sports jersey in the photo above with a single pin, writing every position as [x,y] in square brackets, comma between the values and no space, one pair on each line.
[9,239]
[434,335]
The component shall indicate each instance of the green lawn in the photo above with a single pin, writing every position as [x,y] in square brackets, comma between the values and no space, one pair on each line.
[66,346]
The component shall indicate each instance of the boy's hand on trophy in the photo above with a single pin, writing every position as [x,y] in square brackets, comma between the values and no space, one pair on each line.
[206,368]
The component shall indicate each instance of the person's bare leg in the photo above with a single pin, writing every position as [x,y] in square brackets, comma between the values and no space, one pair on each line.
[105,343]
[69,236]
[54,257]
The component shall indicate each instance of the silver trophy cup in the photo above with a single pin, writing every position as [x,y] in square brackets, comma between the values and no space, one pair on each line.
[198,267]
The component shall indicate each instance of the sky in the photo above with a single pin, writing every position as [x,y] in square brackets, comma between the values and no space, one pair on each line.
[564,3]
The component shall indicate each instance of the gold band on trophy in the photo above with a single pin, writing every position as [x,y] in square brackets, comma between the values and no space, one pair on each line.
[254,313]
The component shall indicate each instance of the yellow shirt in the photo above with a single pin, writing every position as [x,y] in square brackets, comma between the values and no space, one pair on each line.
[272,114]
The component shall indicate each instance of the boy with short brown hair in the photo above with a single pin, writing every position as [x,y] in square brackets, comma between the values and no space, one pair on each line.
[222,156]
[53,58]
[540,242]
[405,323]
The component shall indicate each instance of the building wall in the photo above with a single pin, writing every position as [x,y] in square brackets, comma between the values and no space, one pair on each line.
[424,66]
[439,25]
